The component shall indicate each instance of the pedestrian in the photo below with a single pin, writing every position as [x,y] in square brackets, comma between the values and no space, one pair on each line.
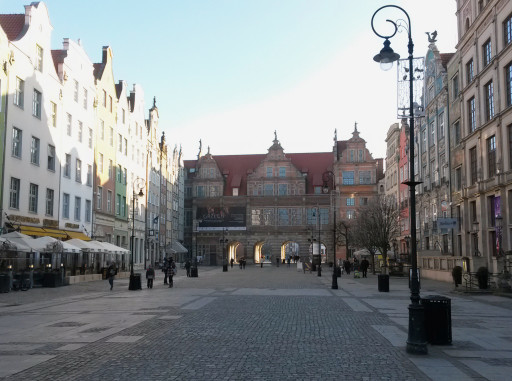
[347,265]
[243,263]
[262,259]
[289,260]
[232,261]
[364,267]
[111,273]
[171,271]
[187,267]
[150,275]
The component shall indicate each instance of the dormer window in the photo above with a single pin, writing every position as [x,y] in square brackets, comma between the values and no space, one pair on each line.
[235,191]
[270,172]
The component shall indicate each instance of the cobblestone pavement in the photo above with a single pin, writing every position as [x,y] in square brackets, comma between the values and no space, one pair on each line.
[273,323]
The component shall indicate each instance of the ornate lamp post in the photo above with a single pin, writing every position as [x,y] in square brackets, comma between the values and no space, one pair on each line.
[137,184]
[416,340]
[329,176]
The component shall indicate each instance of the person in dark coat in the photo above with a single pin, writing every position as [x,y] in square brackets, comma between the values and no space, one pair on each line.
[150,275]
[171,270]
[347,265]
[111,273]
[165,270]
[232,261]
[364,267]
[187,267]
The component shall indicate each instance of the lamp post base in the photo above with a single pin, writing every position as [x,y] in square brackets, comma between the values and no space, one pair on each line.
[416,339]
[334,279]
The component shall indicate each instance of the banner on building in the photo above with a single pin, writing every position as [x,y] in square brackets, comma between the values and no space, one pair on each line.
[217,218]
[447,223]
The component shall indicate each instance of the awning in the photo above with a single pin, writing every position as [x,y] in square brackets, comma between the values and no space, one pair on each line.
[78,235]
[178,248]
[41,232]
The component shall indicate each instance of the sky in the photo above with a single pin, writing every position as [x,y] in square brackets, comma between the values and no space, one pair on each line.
[231,72]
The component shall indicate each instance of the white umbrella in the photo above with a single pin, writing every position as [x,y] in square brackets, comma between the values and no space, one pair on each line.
[113,248]
[84,245]
[6,245]
[47,242]
[22,242]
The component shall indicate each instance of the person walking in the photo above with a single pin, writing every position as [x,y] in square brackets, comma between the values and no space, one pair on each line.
[187,267]
[111,273]
[171,271]
[347,265]
[165,269]
[364,267]
[243,263]
[232,261]
[150,275]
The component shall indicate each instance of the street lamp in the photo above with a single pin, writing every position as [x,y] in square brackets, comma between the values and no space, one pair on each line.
[135,281]
[407,244]
[475,238]
[329,176]
[416,340]
[224,241]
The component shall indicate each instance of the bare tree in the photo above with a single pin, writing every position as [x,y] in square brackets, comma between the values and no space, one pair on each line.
[344,234]
[377,225]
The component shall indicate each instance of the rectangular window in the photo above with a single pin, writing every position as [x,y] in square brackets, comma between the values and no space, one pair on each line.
[491,156]
[486,52]
[348,177]
[469,71]
[282,171]
[89,143]
[507,30]
[78,173]
[75,90]
[69,126]
[109,201]
[19,92]
[471,115]
[269,172]
[14,193]
[473,165]
[32,198]
[80,131]
[78,207]
[102,129]
[268,190]
[36,104]
[99,198]
[123,207]
[111,136]
[65,205]
[125,176]
[110,102]
[104,99]
[51,158]
[432,134]
[351,201]
[455,86]
[49,201]
[125,147]
[89,175]
[458,179]
[283,217]
[53,107]
[85,98]
[363,201]
[508,83]
[123,116]
[119,174]
[351,214]
[88,210]
[200,191]
[441,125]
[118,204]
[120,143]
[365,177]
[110,169]
[39,58]
[283,189]
[489,101]
[34,151]
[100,164]
[424,140]
[67,166]
[456,128]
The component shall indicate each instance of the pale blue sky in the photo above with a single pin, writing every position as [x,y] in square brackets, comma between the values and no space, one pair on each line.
[230,72]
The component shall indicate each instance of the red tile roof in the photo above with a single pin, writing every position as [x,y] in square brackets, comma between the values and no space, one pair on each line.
[58,57]
[12,25]
[237,167]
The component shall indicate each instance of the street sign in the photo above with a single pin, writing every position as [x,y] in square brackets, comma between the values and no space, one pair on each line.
[447,223]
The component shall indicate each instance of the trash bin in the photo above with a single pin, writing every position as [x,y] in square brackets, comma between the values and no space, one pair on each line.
[438,319]
[193,272]
[135,283]
[383,283]
[5,283]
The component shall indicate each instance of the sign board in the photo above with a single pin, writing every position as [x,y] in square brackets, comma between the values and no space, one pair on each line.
[447,223]
[217,218]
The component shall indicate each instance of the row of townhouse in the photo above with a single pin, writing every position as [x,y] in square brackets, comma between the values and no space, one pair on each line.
[79,158]
[463,152]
